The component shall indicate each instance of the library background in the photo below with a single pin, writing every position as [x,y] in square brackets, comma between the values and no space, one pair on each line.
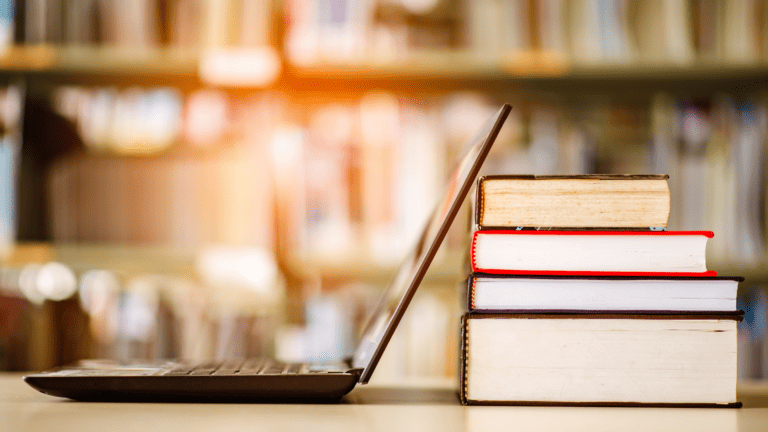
[210,179]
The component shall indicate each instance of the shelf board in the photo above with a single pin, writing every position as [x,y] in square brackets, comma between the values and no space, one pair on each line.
[126,260]
[447,268]
[78,64]
[754,274]
[465,65]
[454,65]
[99,60]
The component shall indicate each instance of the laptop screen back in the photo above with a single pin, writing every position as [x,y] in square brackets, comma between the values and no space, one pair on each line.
[382,324]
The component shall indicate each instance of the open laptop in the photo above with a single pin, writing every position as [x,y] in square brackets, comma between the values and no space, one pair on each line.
[266,379]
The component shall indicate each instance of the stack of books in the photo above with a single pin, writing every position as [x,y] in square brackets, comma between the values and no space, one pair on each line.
[601,307]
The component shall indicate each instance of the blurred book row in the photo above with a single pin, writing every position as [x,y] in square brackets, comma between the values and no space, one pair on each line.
[753,335]
[138,24]
[219,190]
[582,31]
[234,308]
[356,178]
[714,152]
[53,315]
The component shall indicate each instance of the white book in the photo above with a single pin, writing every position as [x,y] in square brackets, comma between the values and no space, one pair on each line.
[626,253]
[513,293]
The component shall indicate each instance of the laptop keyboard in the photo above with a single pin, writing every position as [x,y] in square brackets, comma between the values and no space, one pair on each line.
[249,367]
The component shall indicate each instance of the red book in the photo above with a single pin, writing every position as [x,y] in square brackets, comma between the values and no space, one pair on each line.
[625,253]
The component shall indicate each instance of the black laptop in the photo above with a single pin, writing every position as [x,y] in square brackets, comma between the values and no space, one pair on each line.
[261,379]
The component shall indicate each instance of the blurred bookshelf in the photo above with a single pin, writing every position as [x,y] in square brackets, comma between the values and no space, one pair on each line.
[319,133]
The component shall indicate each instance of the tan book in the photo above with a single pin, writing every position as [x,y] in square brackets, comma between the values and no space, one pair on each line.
[587,201]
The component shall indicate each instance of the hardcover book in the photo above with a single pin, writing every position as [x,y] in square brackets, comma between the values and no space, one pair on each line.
[493,293]
[619,253]
[586,201]
[599,359]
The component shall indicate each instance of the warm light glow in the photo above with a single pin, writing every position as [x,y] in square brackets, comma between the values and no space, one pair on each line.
[28,285]
[419,6]
[56,281]
[241,67]
[251,268]
[96,289]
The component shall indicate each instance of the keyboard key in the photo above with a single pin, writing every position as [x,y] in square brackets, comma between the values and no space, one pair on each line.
[229,367]
[252,366]
[295,368]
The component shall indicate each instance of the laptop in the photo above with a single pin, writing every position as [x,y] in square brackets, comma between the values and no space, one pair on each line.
[261,379]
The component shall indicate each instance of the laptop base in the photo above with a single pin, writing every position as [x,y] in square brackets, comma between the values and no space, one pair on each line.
[145,384]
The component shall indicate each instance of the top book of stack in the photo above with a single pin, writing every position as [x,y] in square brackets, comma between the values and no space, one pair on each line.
[586,201]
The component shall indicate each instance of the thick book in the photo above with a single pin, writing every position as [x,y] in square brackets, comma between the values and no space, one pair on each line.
[599,359]
[493,293]
[618,253]
[587,201]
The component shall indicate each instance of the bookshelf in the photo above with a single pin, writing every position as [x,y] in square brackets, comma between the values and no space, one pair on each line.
[452,50]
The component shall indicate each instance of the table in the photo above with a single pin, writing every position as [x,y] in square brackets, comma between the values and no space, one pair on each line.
[431,407]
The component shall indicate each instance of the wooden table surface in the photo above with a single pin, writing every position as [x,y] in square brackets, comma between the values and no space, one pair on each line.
[432,407]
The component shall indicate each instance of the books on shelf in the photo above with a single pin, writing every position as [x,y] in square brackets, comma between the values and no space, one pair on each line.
[141,23]
[599,359]
[713,152]
[572,201]
[11,110]
[680,253]
[628,316]
[586,32]
[189,199]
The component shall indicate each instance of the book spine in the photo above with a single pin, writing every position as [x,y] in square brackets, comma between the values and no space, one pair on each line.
[463,359]
[479,202]
[470,286]
[473,252]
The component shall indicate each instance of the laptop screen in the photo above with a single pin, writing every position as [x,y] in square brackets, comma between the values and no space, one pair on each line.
[398,295]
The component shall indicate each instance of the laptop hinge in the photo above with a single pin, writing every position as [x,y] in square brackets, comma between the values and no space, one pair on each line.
[355,371]
[352,370]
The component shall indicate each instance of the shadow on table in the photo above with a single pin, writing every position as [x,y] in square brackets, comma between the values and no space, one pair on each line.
[401,396]
[754,401]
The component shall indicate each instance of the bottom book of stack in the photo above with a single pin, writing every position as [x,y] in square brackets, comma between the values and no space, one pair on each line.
[660,359]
